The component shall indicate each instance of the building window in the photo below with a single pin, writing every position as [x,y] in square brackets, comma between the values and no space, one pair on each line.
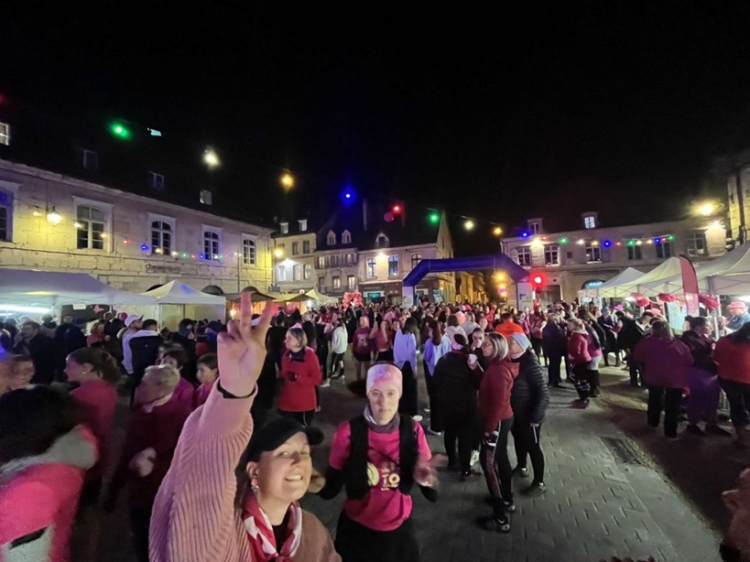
[336,282]
[593,251]
[381,241]
[333,260]
[206,197]
[308,271]
[664,250]
[371,268]
[635,253]
[302,225]
[589,221]
[90,160]
[280,273]
[6,212]
[351,282]
[415,259]
[284,227]
[351,258]
[5,134]
[305,246]
[248,251]
[156,181]
[297,272]
[696,244]
[392,266]
[91,223]
[552,254]
[331,240]
[534,227]
[211,245]
[322,284]
[161,237]
[321,262]
[295,248]
[523,256]
[346,237]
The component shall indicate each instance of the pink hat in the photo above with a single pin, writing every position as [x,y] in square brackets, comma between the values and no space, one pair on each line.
[384,374]
[461,317]
[734,305]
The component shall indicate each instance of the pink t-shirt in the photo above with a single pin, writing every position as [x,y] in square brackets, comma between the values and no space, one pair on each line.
[183,393]
[385,508]
[201,394]
[98,400]
[362,342]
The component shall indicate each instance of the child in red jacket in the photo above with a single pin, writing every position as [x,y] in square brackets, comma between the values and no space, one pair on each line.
[300,374]
[150,441]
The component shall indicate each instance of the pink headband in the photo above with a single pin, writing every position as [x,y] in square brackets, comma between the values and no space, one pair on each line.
[384,373]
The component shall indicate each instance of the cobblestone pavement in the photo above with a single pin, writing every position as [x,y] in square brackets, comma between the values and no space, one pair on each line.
[596,506]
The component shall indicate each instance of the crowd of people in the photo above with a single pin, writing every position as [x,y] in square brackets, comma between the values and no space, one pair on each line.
[211,473]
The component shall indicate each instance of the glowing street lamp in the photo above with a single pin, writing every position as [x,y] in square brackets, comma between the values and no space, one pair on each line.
[53,216]
[707,209]
[497,231]
[287,180]
[278,252]
[469,224]
[210,158]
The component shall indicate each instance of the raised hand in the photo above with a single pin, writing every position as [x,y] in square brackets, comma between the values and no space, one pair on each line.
[242,349]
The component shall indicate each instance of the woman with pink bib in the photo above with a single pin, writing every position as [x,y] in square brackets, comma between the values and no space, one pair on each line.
[378,457]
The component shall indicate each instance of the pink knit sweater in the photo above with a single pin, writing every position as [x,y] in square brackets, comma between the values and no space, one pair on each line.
[194,517]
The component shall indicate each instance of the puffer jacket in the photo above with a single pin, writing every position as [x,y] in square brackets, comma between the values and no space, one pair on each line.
[530,395]
[578,347]
[456,385]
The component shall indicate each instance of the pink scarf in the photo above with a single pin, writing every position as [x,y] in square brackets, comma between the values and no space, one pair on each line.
[260,532]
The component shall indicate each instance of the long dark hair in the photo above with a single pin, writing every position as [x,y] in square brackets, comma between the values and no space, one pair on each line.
[411,326]
[435,334]
[100,360]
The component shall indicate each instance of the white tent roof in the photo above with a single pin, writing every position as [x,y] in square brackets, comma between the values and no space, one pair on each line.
[625,276]
[175,292]
[31,287]
[732,264]
[667,269]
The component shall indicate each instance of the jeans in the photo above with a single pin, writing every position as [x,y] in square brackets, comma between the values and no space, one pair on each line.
[497,470]
[667,399]
[527,440]
[738,395]
[459,427]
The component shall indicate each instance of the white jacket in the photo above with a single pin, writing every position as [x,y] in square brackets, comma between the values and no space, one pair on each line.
[340,340]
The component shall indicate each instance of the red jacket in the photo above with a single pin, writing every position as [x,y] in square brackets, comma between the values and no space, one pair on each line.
[494,393]
[98,400]
[733,360]
[578,348]
[299,379]
[665,362]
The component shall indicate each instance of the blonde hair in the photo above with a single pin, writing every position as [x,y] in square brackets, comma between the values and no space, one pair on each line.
[499,345]
[299,335]
[577,322]
[165,376]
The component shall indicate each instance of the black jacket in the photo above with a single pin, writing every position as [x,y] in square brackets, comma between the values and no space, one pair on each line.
[554,340]
[530,395]
[43,353]
[144,346]
[601,336]
[456,385]
[629,335]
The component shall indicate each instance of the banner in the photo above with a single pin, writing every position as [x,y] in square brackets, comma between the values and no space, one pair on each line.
[689,285]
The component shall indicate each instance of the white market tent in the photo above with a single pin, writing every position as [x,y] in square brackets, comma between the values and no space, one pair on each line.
[32,287]
[609,288]
[720,276]
[666,269]
[176,300]
[314,295]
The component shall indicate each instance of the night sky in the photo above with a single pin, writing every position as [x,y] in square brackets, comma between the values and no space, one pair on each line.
[614,106]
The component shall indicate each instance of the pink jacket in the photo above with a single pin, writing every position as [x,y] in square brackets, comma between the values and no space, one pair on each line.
[665,362]
[41,494]
[578,347]
[194,517]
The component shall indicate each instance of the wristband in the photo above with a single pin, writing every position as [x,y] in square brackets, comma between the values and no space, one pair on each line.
[226,394]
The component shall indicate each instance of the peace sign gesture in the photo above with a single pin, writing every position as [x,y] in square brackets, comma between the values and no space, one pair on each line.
[242,349]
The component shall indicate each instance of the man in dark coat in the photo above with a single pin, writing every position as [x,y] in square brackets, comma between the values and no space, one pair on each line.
[627,338]
[42,351]
[144,345]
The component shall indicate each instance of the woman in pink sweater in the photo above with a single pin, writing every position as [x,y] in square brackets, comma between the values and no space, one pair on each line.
[198,514]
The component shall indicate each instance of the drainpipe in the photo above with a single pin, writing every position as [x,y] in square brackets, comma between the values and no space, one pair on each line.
[741,203]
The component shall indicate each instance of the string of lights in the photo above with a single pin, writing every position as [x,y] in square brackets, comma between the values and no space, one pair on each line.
[605,242]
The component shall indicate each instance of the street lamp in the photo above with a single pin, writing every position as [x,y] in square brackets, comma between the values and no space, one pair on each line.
[53,216]
[497,231]
[210,158]
[469,224]
[707,209]
[279,253]
[287,180]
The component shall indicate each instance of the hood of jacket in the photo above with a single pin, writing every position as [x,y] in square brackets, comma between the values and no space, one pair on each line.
[77,448]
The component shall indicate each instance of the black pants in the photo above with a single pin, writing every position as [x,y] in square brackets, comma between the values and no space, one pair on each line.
[497,470]
[536,344]
[461,427]
[322,353]
[357,543]
[436,424]
[409,402]
[527,440]
[634,369]
[337,364]
[738,395]
[553,369]
[583,386]
[140,518]
[667,399]
[305,418]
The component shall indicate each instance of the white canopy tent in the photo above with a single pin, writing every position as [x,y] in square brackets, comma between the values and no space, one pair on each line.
[176,300]
[666,269]
[35,288]
[609,288]
[176,292]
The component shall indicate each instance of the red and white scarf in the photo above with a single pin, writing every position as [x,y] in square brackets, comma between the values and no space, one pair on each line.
[260,531]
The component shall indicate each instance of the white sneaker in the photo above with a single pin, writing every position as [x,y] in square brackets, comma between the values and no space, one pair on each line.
[417,418]
[426,410]
[436,433]
[318,409]
[326,383]
[474,457]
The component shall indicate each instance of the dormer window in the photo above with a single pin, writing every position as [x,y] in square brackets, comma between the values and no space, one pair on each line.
[590,220]
[381,241]
[535,226]
[331,240]
[302,225]
[284,227]
[346,237]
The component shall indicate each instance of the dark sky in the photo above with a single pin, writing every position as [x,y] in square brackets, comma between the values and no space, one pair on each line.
[616,106]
